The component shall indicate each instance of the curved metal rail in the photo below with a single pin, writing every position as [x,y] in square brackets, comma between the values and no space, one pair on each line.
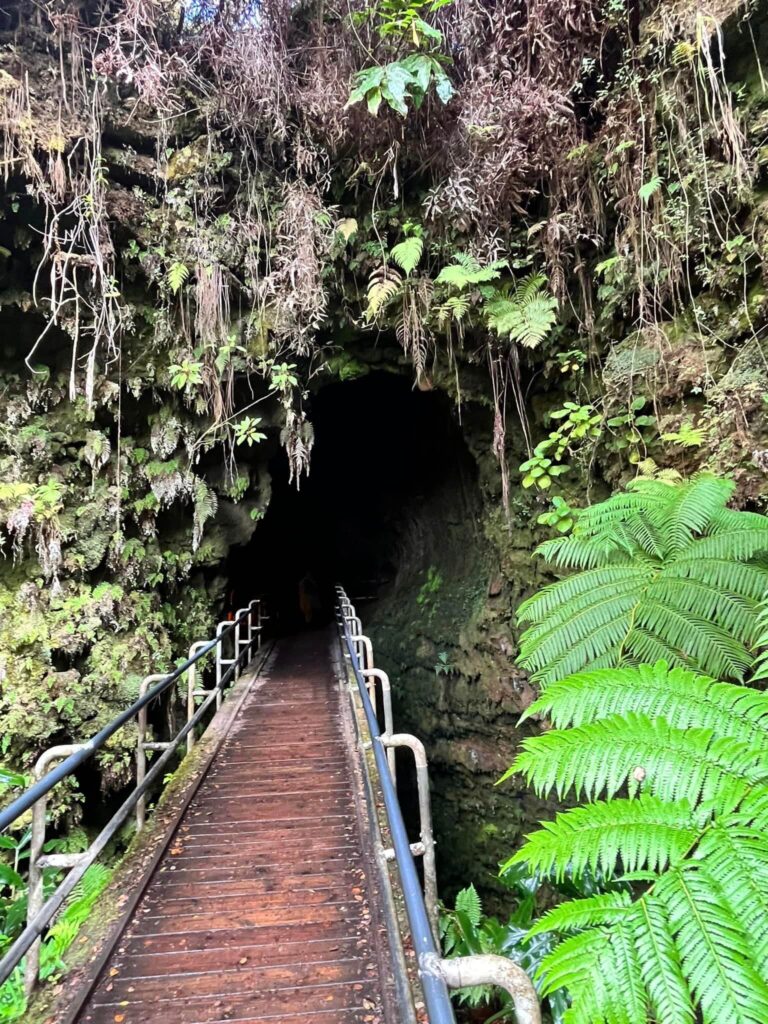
[40,912]
[437,974]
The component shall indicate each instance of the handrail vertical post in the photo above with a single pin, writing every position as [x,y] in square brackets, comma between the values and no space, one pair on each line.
[191,684]
[36,844]
[141,750]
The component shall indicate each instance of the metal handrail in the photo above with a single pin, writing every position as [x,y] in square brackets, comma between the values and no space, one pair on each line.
[437,973]
[40,914]
[436,998]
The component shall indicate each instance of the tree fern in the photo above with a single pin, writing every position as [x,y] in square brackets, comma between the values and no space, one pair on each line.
[683,762]
[632,835]
[688,699]
[666,572]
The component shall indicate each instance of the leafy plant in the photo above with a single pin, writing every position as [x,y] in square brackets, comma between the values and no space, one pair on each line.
[282,377]
[443,666]
[561,516]
[430,587]
[664,572]
[408,78]
[524,312]
[540,469]
[401,81]
[467,930]
[407,253]
[185,373]
[630,430]
[177,275]
[247,432]
[690,753]
[579,423]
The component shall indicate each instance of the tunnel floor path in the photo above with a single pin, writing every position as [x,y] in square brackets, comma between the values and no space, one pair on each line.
[262,908]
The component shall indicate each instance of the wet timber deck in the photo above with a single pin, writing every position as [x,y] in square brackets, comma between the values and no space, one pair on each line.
[261,908]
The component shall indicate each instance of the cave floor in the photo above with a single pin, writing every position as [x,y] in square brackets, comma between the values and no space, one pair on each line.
[261,907]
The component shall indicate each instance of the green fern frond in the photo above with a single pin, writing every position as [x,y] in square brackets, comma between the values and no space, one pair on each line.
[684,698]
[736,857]
[453,310]
[407,254]
[468,902]
[177,275]
[717,955]
[572,961]
[691,600]
[629,998]
[466,271]
[525,321]
[576,915]
[641,752]
[660,964]
[642,834]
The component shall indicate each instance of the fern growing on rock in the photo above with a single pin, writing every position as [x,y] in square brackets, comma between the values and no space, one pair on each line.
[664,572]
[675,766]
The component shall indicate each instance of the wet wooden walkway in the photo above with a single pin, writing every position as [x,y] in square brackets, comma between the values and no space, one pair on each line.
[261,908]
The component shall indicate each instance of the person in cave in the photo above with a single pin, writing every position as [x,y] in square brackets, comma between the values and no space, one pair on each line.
[309,598]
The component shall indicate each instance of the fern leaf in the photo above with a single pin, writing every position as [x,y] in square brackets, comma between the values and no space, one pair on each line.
[716,951]
[468,902]
[692,508]
[646,833]
[736,857]
[687,700]
[177,275]
[576,915]
[466,271]
[629,998]
[573,962]
[650,188]
[660,964]
[407,254]
[383,284]
[692,600]
[633,749]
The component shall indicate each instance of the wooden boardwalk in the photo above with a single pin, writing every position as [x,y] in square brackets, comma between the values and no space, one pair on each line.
[261,908]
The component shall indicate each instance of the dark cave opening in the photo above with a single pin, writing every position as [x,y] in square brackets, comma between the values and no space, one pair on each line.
[382,451]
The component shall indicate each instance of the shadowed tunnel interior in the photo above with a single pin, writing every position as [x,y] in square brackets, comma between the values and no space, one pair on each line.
[382,451]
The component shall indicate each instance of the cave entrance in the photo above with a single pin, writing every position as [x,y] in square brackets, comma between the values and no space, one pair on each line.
[382,451]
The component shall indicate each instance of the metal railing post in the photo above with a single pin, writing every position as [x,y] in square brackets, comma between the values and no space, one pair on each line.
[386,700]
[36,844]
[239,642]
[220,661]
[426,833]
[142,747]
[191,689]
